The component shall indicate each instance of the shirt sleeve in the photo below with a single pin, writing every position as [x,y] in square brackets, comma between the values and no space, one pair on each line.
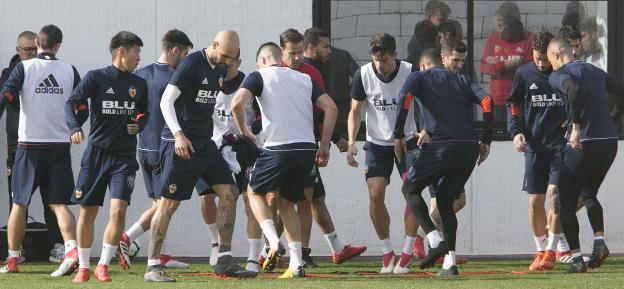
[141,113]
[254,83]
[357,87]
[514,104]
[317,91]
[483,99]
[12,86]
[410,89]
[77,105]
[76,77]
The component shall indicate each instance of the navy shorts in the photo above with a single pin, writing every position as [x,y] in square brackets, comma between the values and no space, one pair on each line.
[150,166]
[540,170]
[582,171]
[48,169]
[285,169]
[448,166]
[319,187]
[179,176]
[100,169]
[380,160]
[242,179]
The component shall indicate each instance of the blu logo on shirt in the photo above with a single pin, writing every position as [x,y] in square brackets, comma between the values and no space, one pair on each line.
[206,96]
[118,107]
[545,100]
[384,104]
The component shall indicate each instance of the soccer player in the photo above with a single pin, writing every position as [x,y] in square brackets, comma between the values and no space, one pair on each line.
[286,99]
[187,152]
[43,158]
[591,149]
[446,100]
[374,88]
[226,134]
[537,125]
[292,45]
[175,45]
[118,111]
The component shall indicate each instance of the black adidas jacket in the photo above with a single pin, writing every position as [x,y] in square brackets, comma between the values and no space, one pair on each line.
[12,114]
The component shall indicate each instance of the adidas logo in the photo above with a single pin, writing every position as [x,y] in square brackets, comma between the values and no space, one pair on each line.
[49,85]
[533,86]
[205,81]
[110,91]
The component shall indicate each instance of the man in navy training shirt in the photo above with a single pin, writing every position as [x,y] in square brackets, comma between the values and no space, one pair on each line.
[591,149]
[118,111]
[43,156]
[187,152]
[536,125]
[175,45]
[445,99]
[286,99]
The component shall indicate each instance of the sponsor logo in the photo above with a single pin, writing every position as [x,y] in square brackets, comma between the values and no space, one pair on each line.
[130,181]
[206,96]
[533,86]
[49,85]
[385,104]
[78,194]
[545,100]
[118,107]
[173,188]
[110,91]
[132,91]
[205,81]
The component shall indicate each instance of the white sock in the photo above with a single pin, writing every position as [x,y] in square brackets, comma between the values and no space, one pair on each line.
[254,249]
[421,232]
[540,243]
[334,242]
[599,238]
[435,238]
[268,228]
[295,255]
[553,240]
[70,245]
[563,246]
[153,262]
[14,254]
[108,251]
[221,254]
[83,257]
[212,233]
[386,246]
[449,260]
[577,254]
[134,232]
[264,252]
[408,245]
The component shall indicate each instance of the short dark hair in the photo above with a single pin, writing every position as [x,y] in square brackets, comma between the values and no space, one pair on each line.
[290,36]
[430,55]
[452,27]
[382,42]
[313,36]
[27,34]
[569,32]
[270,45]
[125,39]
[541,41]
[49,36]
[453,44]
[176,38]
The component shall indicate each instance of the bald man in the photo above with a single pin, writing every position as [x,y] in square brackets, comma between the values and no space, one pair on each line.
[286,99]
[188,153]
[591,149]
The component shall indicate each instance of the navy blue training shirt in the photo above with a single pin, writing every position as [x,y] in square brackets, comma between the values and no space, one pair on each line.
[445,100]
[117,99]
[536,110]
[587,88]
[157,76]
[199,83]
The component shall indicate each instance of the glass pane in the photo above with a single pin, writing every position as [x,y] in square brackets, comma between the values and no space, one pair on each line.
[353,24]
[503,34]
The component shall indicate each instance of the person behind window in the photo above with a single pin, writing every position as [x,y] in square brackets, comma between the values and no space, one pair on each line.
[425,36]
[591,49]
[575,11]
[436,12]
[506,49]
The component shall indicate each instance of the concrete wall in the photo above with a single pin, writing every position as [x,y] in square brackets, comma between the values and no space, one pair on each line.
[493,222]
